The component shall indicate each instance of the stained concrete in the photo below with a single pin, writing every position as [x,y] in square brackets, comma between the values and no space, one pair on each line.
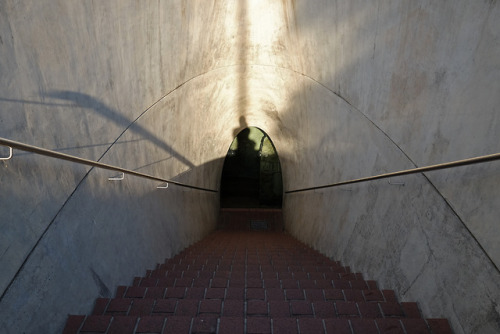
[344,89]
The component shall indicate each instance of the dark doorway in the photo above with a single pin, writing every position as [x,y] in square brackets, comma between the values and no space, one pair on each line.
[251,176]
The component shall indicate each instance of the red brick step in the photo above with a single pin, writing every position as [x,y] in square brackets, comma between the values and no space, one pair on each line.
[253,282]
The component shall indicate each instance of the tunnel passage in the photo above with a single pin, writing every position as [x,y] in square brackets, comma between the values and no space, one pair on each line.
[251,193]
[251,176]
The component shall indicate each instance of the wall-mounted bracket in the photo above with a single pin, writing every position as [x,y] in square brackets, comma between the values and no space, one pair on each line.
[163,186]
[10,154]
[396,183]
[117,178]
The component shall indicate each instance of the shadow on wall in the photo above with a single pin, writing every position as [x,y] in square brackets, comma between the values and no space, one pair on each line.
[354,222]
[86,101]
[68,197]
[78,247]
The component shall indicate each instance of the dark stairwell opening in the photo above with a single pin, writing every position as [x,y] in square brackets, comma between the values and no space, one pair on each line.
[251,192]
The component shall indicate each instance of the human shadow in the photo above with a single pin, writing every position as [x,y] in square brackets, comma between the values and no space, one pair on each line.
[248,177]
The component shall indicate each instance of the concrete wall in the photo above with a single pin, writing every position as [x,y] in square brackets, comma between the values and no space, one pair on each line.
[344,89]
[98,80]
[399,84]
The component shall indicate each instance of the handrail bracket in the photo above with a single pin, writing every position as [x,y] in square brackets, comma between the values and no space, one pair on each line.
[10,154]
[117,178]
[163,186]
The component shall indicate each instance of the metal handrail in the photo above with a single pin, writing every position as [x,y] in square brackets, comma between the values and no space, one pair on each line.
[63,156]
[457,163]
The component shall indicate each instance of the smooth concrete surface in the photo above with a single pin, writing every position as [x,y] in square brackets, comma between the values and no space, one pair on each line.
[344,89]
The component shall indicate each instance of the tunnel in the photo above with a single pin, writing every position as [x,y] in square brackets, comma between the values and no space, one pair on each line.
[251,175]
[343,90]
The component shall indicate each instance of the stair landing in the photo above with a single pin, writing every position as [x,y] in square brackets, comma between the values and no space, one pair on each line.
[253,282]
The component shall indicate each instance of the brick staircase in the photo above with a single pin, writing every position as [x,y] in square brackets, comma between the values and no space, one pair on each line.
[253,282]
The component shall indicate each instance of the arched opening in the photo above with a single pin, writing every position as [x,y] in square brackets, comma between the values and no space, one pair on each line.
[251,176]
